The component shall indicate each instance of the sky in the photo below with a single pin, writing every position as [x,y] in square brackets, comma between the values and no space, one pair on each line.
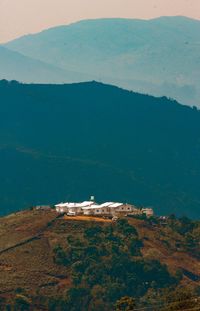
[20,17]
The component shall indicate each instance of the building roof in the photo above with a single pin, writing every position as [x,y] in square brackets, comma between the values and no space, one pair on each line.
[106,204]
[86,203]
[111,204]
[94,206]
[116,204]
[70,205]
[61,205]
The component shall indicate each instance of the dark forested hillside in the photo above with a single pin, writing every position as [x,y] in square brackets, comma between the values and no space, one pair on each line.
[66,142]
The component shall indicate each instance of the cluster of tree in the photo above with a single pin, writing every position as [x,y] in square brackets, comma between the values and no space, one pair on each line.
[106,265]
[190,232]
[167,300]
[108,272]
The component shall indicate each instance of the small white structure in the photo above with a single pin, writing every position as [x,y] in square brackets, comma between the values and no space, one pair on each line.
[93,209]
[148,212]
[105,208]
[43,208]
[61,208]
[97,210]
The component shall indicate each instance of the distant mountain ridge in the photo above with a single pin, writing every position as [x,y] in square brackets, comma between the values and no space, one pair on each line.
[16,66]
[158,56]
[66,142]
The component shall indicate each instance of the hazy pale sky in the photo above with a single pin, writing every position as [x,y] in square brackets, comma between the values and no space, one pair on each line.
[19,17]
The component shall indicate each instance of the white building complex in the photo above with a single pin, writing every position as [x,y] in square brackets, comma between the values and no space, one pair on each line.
[90,208]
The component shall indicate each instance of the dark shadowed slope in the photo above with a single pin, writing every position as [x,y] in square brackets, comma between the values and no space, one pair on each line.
[159,56]
[66,142]
[15,66]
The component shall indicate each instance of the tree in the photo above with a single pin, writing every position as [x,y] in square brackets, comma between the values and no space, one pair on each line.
[181,299]
[22,303]
[125,304]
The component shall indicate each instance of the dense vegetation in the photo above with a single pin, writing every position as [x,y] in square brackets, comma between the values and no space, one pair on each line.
[107,265]
[189,232]
[66,142]
[81,265]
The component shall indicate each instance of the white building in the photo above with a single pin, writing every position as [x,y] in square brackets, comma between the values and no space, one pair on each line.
[72,207]
[98,210]
[93,209]
[61,208]
[109,209]
[104,209]
[121,208]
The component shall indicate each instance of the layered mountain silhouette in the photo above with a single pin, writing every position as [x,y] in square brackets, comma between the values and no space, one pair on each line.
[159,56]
[15,66]
[67,142]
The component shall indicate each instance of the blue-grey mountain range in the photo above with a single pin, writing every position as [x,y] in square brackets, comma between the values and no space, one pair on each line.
[159,56]
[15,66]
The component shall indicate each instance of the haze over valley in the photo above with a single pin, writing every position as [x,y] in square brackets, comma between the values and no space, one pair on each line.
[158,56]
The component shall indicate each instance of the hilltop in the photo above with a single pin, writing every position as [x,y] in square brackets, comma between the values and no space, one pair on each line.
[66,142]
[48,260]
[158,56]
